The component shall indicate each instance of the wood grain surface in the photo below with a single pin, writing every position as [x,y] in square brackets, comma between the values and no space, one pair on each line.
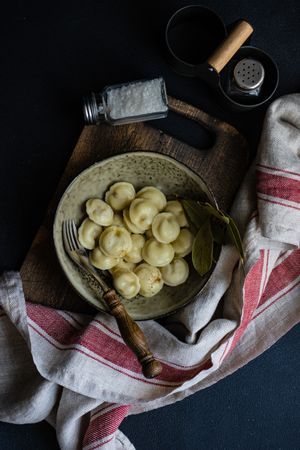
[222,166]
[223,54]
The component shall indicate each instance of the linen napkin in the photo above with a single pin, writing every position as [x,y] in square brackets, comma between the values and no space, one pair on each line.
[75,371]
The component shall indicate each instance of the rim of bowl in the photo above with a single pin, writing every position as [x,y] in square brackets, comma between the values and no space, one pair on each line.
[99,163]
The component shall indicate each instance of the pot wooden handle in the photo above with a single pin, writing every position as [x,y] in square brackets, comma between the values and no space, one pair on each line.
[223,54]
[132,335]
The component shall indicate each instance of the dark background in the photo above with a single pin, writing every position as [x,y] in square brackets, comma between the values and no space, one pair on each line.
[51,54]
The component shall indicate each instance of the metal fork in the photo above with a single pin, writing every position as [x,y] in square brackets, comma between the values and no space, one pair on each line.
[130,331]
[79,255]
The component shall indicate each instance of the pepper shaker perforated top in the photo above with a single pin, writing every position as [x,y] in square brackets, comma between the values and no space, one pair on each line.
[249,74]
[246,79]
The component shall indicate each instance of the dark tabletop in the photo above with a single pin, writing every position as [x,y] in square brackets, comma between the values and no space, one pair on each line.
[51,54]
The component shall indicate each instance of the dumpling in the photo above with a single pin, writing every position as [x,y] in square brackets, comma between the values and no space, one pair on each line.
[101,261]
[129,225]
[120,195]
[118,220]
[142,213]
[157,254]
[151,281]
[135,254]
[88,233]
[126,283]
[184,243]
[165,227]
[176,272]
[175,207]
[115,241]
[154,195]
[99,212]
[122,264]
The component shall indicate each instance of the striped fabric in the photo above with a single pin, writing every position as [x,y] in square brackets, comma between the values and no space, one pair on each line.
[75,370]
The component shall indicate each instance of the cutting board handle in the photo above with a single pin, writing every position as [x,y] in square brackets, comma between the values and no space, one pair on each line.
[236,38]
[217,163]
[191,112]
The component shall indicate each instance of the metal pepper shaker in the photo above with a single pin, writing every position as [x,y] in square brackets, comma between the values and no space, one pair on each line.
[247,79]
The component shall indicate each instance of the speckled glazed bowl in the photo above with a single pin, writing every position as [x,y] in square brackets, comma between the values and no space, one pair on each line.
[140,169]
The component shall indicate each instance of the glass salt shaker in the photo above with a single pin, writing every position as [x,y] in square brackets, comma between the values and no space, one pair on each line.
[135,101]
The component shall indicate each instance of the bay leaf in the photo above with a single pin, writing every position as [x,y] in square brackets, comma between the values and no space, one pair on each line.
[216,212]
[219,231]
[196,215]
[202,252]
[210,224]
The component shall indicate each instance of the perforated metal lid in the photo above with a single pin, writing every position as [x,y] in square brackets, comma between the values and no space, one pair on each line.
[249,74]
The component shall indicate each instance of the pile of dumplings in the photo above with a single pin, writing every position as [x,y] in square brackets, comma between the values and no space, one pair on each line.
[139,237]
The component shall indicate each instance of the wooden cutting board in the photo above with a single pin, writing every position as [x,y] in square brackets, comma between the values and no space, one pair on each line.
[223,167]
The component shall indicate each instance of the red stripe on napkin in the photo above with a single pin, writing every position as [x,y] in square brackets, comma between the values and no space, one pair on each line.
[282,187]
[275,300]
[282,275]
[277,169]
[105,425]
[274,202]
[102,344]
[100,361]
[252,290]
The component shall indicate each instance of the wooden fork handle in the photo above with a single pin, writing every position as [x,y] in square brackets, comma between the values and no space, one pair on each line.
[132,335]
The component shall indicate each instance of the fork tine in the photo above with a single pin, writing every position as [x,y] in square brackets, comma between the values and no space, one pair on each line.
[75,235]
[71,235]
[66,240]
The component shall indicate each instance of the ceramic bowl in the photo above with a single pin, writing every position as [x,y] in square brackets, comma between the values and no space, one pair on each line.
[141,169]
